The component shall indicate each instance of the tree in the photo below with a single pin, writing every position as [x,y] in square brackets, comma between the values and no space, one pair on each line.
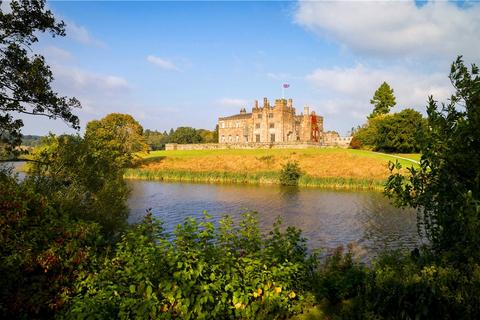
[446,187]
[185,135]
[400,132]
[383,100]
[25,79]
[119,133]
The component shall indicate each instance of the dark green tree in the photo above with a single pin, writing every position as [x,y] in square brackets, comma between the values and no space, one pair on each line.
[383,100]
[400,132]
[446,187]
[25,78]
[185,135]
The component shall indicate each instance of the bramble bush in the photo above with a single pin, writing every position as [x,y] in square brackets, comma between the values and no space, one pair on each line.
[201,272]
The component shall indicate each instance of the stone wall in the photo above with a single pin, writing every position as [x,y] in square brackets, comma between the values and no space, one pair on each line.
[221,146]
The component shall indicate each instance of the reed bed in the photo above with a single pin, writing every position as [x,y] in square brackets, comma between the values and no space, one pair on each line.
[259,178]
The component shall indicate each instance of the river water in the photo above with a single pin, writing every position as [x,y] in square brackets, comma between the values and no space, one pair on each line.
[327,218]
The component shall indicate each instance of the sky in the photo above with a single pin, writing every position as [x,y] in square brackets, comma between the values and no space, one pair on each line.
[171,64]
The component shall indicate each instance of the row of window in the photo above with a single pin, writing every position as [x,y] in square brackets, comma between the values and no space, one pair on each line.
[271,125]
[259,116]
[237,138]
[230,125]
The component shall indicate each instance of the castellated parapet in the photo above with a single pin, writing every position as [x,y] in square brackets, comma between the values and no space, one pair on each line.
[271,124]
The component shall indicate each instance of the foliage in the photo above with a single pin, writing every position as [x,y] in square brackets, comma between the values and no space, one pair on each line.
[403,287]
[367,135]
[290,174]
[383,100]
[339,277]
[31,140]
[42,251]
[401,132]
[203,272]
[25,87]
[81,181]
[207,136]
[184,135]
[118,133]
[156,140]
[446,187]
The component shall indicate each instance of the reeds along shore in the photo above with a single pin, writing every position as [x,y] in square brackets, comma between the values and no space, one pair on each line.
[260,178]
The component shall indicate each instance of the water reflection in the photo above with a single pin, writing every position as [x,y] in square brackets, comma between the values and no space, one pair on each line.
[327,218]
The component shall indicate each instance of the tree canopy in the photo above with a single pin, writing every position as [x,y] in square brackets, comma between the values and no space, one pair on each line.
[119,133]
[446,187]
[25,78]
[383,100]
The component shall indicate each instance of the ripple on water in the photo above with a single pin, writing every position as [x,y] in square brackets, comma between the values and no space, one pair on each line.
[327,218]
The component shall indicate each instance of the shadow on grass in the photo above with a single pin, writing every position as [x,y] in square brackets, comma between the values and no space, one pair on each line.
[141,162]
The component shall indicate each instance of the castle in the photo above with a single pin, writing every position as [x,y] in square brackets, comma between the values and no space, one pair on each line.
[271,124]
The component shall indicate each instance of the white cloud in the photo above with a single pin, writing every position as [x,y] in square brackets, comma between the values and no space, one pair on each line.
[74,81]
[348,91]
[162,63]
[81,34]
[56,53]
[396,28]
[229,102]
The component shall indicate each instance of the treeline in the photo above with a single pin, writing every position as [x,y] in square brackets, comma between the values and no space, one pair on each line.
[183,135]
[401,132]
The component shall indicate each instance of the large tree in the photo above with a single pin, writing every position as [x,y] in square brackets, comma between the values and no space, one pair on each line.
[383,100]
[119,133]
[446,187]
[25,78]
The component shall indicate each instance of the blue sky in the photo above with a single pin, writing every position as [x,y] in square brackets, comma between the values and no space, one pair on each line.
[175,64]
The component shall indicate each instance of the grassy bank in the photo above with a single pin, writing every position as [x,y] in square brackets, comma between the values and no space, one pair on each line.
[331,168]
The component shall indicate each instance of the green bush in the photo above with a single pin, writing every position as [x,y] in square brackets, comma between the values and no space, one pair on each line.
[401,288]
[290,174]
[200,272]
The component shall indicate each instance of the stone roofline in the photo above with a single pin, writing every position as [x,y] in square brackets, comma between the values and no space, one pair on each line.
[237,116]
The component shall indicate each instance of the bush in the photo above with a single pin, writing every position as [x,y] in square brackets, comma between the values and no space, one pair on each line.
[290,174]
[201,272]
[401,288]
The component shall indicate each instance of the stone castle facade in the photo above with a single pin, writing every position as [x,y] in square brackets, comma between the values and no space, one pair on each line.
[272,124]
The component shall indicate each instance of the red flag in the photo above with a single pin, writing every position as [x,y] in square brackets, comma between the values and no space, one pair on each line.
[286,85]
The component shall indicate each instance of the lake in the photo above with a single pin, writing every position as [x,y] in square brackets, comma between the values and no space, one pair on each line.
[327,218]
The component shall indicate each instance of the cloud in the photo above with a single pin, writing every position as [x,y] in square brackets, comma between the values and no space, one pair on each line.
[81,34]
[75,80]
[396,28]
[56,53]
[349,90]
[229,102]
[162,63]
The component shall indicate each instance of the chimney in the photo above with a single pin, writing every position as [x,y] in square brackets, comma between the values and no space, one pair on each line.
[265,102]
[290,103]
[256,104]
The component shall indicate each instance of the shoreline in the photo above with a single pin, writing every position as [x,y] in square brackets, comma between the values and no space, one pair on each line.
[261,178]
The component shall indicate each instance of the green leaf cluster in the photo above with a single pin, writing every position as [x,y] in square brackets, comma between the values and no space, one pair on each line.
[290,174]
[202,271]
[446,187]
[383,100]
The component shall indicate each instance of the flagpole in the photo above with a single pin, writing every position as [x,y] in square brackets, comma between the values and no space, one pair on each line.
[283,91]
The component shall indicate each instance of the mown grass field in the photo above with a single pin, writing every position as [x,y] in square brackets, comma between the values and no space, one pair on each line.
[330,167]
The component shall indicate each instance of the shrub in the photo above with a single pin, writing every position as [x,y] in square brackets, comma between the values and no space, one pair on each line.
[200,272]
[290,174]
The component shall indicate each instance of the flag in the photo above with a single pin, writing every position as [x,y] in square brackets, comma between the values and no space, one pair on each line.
[286,85]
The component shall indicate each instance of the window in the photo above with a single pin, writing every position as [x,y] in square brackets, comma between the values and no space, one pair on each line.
[222,124]
[223,139]
[257,138]
[259,116]
[257,126]
[272,137]
[237,124]
[237,139]
[230,138]
[270,115]
[246,138]
[272,125]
